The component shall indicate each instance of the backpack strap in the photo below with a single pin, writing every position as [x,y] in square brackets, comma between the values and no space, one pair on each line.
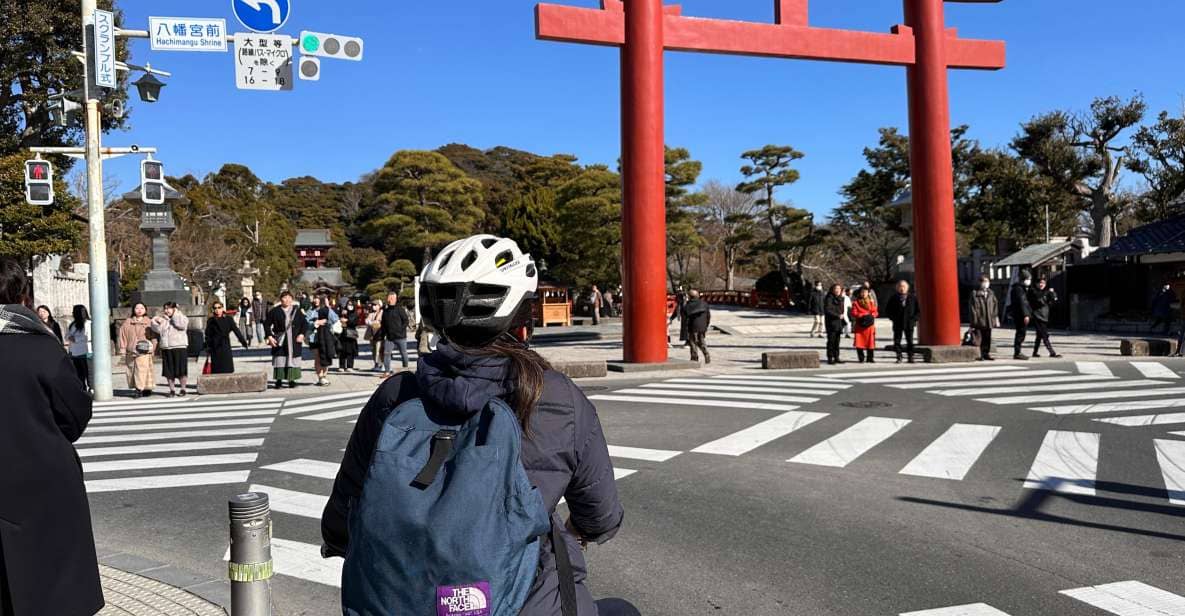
[442,446]
[563,565]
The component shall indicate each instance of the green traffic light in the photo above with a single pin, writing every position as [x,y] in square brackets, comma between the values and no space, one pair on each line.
[310,43]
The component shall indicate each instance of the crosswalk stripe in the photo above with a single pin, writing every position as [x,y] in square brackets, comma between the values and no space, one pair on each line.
[1011,378]
[1130,599]
[751,438]
[233,410]
[766,385]
[622,473]
[843,448]
[779,379]
[740,389]
[953,454]
[1024,388]
[680,401]
[354,403]
[306,467]
[89,452]
[1177,433]
[332,415]
[1134,421]
[638,453]
[166,481]
[185,415]
[295,405]
[173,462]
[1086,395]
[1111,407]
[304,561]
[1067,462]
[290,501]
[927,371]
[1007,377]
[1155,370]
[184,424]
[165,436]
[1171,456]
[163,401]
[711,394]
[1093,367]
[974,609]
[178,404]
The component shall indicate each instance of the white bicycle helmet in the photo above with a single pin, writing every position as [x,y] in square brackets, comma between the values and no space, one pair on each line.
[478,288]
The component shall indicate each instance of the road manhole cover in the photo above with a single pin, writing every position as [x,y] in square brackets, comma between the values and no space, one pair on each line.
[866,404]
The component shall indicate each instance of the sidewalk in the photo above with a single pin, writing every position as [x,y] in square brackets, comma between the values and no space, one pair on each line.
[134,586]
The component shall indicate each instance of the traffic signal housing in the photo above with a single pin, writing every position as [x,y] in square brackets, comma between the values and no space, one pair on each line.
[310,68]
[38,182]
[330,45]
[152,182]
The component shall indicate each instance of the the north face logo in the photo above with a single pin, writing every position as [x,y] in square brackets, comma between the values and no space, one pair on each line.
[464,600]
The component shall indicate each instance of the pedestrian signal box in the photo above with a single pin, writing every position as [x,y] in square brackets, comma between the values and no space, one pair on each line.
[152,182]
[38,182]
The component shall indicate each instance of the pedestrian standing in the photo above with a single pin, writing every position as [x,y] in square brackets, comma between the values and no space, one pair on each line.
[394,332]
[985,315]
[46,317]
[597,300]
[172,328]
[246,322]
[374,327]
[259,310]
[864,313]
[322,338]
[1162,308]
[903,311]
[78,343]
[285,326]
[219,327]
[608,295]
[348,340]
[1041,299]
[698,317]
[847,312]
[48,563]
[680,302]
[814,306]
[834,319]
[1021,312]
[137,344]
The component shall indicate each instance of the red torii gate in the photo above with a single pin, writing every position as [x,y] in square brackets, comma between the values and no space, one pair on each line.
[645,28]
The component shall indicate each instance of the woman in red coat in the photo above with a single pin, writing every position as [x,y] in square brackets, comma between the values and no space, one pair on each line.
[864,315]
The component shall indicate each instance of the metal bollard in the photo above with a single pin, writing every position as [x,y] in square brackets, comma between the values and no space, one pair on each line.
[250,566]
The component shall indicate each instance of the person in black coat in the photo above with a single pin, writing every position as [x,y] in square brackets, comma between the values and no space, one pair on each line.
[833,315]
[1021,311]
[1041,299]
[347,346]
[394,330]
[1162,308]
[218,330]
[697,317]
[285,327]
[814,307]
[47,548]
[902,309]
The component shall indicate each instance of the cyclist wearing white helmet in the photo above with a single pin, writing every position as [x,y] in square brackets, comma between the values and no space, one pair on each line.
[478,295]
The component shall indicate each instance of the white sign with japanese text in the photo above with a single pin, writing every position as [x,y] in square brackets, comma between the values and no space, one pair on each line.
[187,34]
[104,51]
[263,61]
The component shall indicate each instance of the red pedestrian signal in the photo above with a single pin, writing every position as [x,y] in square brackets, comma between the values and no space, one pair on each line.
[152,182]
[38,182]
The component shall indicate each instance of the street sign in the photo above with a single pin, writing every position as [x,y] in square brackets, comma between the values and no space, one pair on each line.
[262,15]
[104,51]
[152,182]
[330,45]
[263,61]
[186,34]
[310,68]
[38,182]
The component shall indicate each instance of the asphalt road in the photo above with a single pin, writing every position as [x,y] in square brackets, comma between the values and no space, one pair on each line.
[886,493]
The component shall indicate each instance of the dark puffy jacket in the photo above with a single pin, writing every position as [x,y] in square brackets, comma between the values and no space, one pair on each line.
[1162,304]
[1040,300]
[566,457]
[697,315]
[814,303]
[903,313]
[1019,307]
[833,306]
[395,321]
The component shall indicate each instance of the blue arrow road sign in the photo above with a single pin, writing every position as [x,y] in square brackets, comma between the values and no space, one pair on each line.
[262,15]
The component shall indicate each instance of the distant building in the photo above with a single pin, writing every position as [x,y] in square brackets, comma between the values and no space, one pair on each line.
[312,251]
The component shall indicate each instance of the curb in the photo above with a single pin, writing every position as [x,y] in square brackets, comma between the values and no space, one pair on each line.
[131,582]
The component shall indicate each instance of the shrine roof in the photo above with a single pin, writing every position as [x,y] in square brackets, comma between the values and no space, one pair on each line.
[313,237]
[1167,235]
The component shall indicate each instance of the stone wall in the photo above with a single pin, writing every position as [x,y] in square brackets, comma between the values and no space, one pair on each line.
[60,290]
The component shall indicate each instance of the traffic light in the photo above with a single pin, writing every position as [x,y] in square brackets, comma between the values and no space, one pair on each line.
[38,182]
[152,182]
[310,68]
[330,45]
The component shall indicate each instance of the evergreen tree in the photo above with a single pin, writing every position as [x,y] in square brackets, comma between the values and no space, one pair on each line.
[590,228]
[683,237]
[530,220]
[28,231]
[789,227]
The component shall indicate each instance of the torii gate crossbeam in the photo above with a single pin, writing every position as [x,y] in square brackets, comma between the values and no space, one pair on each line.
[644,29]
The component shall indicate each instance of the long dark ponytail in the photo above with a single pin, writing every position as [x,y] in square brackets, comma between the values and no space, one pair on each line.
[526,374]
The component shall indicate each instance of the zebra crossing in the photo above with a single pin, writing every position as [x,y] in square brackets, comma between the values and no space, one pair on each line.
[1128,598]
[328,407]
[152,444]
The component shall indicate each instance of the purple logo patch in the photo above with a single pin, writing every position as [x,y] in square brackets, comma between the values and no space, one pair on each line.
[463,600]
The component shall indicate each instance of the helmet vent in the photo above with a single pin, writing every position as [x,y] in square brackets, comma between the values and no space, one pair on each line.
[444,260]
[530,270]
[489,241]
[504,258]
[469,259]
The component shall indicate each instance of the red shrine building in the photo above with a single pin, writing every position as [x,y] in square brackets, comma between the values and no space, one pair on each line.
[312,250]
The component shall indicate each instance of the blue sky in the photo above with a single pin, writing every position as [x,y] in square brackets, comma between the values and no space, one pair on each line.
[471,71]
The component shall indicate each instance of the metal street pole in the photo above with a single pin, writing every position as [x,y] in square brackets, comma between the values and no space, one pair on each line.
[97,248]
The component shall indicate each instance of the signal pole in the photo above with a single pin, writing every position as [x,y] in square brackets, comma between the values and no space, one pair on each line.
[97,247]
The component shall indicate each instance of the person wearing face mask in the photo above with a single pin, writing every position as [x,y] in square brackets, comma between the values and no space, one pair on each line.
[814,306]
[1162,308]
[1021,311]
[985,315]
[1042,298]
